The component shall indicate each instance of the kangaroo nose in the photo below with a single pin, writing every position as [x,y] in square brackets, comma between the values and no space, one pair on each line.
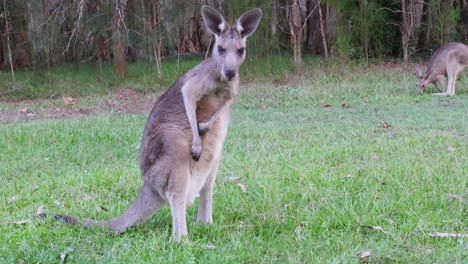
[230,74]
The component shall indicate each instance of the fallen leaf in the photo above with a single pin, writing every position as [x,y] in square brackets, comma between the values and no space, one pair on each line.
[242,187]
[209,247]
[385,124]
[299,232]
[345,105]
[349,175]
[12,199]
[63,258]
[40,210]
[455,235]
[378,228]
[460,198]
[102,209]
[21,222]
[53,140]
[25,110]
[57,203]
[327,105]
[451,149]
[234,179]
[68,100]
[363,255]
[366,100]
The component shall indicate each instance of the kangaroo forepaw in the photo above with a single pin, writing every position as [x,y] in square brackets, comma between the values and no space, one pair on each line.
[196,151]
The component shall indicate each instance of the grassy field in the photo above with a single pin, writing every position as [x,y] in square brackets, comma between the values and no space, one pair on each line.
[327,181]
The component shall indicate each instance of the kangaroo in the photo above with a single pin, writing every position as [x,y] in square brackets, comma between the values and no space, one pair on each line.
[448,61]
[183,138]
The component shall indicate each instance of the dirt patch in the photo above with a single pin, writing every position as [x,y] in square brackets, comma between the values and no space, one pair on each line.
[124,101]
[127,101]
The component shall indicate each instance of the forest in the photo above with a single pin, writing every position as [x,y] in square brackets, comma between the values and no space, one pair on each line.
[45,33]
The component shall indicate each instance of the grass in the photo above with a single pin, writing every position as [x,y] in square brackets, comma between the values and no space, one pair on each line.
[318,178]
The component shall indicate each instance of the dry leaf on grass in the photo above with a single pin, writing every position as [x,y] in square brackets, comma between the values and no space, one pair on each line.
[366,100]
[25,110]
[68,100]
[460,198]
[209,247]
[378,228]
[12,199]
[327,105]
[57,203]
[454,235]
[40,210]
[242,187]
[63,258]
[363,256]
[345,105]
[299,232]
[101,209]
[385,124]
[451,149]
[234,179]
[21,222]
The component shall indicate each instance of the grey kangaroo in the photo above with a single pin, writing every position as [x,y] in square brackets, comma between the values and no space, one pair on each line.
[448,61]
[183,138]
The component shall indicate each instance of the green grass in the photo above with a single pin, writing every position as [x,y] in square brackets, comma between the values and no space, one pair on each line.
[333,171]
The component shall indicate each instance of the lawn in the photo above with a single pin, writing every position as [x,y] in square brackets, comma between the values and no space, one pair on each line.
[343,165]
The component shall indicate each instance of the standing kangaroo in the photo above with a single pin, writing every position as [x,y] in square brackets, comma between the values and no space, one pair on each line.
[183,138]
[448,61]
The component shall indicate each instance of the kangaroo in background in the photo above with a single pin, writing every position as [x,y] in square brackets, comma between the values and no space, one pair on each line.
[183,138]
[448,60]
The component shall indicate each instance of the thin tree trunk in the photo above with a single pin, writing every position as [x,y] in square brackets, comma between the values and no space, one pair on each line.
[7,34]
[118,38]
[465,19]
[405,29]
[323,31]
[296,32]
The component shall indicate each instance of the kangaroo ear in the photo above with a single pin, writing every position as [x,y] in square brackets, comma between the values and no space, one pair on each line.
[248,22]
[419,73]
[214,21]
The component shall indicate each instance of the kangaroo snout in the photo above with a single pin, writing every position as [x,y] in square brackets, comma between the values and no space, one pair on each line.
[230,74]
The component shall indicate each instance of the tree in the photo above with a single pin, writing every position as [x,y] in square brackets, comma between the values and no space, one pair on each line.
[118,36]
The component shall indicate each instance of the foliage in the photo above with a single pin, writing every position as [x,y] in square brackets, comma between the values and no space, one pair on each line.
[48,33]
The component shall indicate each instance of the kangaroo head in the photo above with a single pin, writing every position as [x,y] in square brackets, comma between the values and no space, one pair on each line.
[421,81]
[230,41]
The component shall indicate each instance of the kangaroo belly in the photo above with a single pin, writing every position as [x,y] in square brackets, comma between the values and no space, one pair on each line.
[212,147]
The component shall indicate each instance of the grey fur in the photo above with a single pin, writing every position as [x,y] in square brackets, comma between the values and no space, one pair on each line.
[448,61]
[184,135]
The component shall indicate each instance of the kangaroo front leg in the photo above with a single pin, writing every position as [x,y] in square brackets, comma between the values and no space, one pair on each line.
[204,127]
[190,104]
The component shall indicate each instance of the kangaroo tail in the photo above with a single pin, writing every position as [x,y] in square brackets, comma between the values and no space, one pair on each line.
[147,202]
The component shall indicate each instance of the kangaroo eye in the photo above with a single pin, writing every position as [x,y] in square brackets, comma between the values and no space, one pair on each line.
[221,50]
[241,51]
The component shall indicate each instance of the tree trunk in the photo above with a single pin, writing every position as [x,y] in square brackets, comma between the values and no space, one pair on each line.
[465,19]
[417,15]
[323,30]
[296,31]
[118,36]
[7,34]
[405,29]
